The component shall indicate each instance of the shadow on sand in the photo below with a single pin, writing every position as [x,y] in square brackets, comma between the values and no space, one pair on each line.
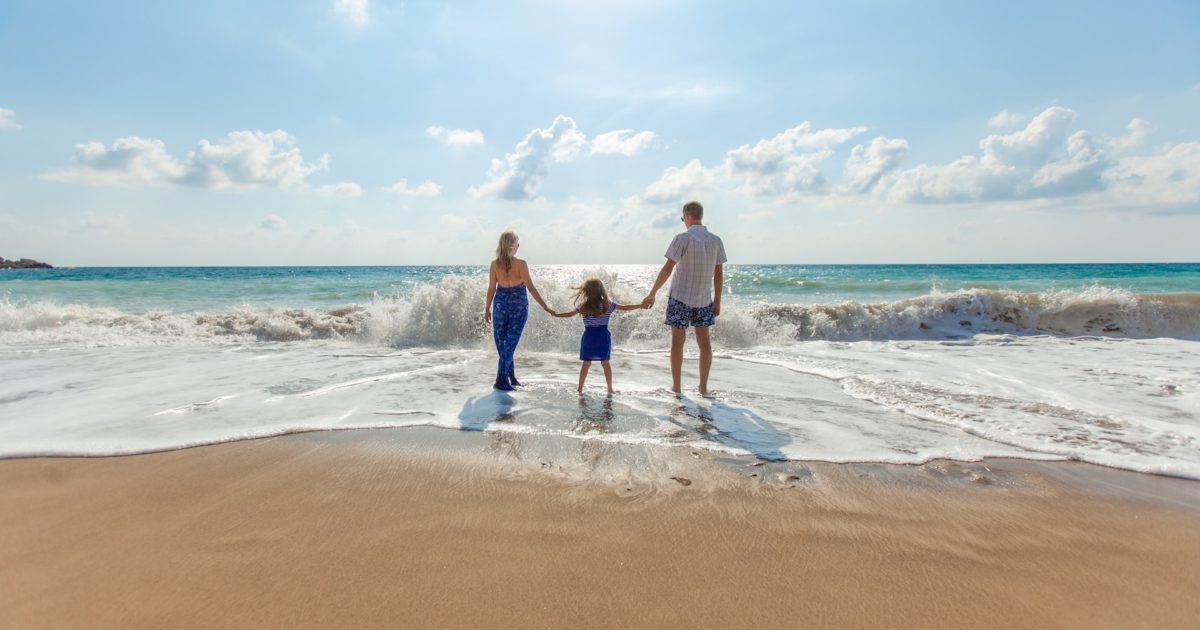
[480,411]
[727,425]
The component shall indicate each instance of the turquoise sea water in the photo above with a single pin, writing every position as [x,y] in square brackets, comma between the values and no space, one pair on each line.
[192,289]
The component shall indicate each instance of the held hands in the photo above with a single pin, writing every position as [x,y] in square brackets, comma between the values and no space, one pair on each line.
[648,302]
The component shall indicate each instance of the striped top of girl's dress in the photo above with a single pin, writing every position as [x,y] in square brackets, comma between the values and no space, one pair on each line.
[593,321]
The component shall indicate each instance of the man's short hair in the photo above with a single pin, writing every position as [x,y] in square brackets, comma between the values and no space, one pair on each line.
[694,209]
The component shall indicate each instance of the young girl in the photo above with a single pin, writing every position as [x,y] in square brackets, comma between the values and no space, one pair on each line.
[591,301]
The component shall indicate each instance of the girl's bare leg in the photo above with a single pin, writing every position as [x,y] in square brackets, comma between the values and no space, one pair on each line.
[607,375]
[583,370]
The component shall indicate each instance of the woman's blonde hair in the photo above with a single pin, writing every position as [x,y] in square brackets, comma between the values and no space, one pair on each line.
[591,299]
[508,238]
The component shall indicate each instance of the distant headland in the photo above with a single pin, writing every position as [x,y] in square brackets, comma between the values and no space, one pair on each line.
[24,263]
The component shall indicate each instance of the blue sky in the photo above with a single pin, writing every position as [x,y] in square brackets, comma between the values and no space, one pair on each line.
[377,132]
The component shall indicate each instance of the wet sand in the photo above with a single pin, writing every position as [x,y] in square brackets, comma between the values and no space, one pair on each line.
[430,528]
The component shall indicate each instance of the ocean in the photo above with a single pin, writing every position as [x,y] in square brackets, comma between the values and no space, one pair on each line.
[839,363]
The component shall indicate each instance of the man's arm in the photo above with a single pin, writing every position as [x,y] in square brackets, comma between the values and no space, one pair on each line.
[718,282]
[663,274]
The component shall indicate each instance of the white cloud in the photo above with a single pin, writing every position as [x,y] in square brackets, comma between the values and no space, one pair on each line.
[8,119]
[240,161]
[250,159]
[1006,120]
[679,183]
[666,220]
[1042,161]
[1080,171]
[425,189]
[868,164]
[964,179]
[788,162]
[1170,178]
[623,141]
[340,189]
[1138,130]
[522,171]
[1017,165]
[354,12]
[130,161]
[457,138]
[1033,144]
[273,223]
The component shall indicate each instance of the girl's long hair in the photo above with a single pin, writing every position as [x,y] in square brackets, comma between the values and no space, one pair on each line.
[508,238]
[591,299]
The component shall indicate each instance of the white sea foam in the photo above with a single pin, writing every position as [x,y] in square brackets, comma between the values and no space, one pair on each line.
[449,314]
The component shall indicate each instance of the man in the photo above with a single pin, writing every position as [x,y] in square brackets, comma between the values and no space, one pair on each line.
[696,256]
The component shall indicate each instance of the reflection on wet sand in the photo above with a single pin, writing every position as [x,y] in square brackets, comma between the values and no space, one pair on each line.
[595,416]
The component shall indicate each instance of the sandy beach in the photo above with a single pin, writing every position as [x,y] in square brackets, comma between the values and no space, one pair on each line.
[429,528]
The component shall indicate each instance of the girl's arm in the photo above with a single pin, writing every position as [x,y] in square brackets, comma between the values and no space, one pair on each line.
[491,293]
[564,313]
[532,289]
[630,307]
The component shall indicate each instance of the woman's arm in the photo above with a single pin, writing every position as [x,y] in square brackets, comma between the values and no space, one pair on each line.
[491,293]
[532,289]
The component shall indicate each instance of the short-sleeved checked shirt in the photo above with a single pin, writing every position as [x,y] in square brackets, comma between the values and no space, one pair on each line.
[696,253]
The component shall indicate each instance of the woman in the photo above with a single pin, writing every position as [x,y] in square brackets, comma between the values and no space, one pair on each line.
[507,307]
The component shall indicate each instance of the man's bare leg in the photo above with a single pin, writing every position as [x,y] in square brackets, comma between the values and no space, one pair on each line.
[705,343]
[678,336]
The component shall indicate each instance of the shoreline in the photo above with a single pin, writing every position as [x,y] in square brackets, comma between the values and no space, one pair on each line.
[430,527]
[1049,466]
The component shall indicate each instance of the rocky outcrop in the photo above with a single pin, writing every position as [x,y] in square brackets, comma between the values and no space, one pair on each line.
[24,263]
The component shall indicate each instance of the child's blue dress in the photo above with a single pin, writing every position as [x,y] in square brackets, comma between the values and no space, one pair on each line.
[596,344]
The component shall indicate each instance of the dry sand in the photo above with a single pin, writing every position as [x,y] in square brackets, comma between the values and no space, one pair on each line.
[440,529]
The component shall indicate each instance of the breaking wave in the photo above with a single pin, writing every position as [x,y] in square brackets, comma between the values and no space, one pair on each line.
[450,314]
